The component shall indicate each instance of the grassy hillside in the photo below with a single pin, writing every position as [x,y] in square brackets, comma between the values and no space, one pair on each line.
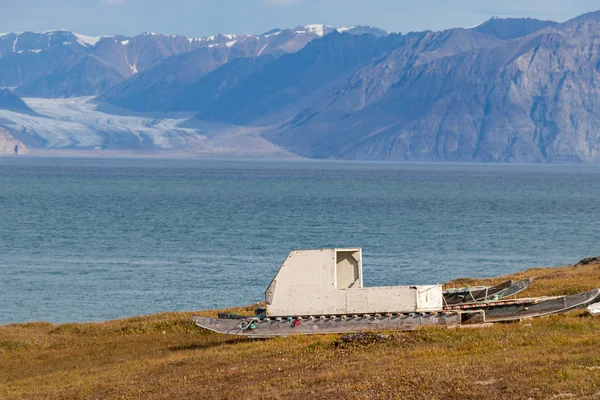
[166,356]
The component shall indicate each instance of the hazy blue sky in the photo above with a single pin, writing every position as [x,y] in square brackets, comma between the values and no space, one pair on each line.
[203,17]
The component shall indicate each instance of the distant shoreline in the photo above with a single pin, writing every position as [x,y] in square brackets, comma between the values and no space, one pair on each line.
[178,155]
[131,154]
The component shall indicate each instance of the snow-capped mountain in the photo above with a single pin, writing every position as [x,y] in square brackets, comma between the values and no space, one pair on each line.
[64,64]
[157,88]
[322,30]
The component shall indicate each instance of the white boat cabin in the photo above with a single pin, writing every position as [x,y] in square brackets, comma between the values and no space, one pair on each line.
[330,282]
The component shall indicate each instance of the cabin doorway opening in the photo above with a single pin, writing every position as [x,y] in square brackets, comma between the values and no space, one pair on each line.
[347,269]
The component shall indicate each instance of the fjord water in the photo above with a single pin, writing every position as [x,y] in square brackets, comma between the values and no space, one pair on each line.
[96,239]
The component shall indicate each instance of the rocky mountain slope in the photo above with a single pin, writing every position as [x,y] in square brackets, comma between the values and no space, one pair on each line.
[158,88]
[10,146]
[12,102]
[296,79]
[512,28]
[529,99]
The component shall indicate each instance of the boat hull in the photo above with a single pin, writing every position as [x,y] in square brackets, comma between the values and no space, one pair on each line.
[518,309]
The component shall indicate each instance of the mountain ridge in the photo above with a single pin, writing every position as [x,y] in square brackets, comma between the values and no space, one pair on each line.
[506,90]
[28,58]
[456,108]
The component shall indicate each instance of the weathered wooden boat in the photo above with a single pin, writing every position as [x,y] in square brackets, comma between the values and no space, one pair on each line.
[321,291]
[477,294]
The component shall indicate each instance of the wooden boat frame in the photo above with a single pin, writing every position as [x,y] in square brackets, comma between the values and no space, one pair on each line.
[477,294]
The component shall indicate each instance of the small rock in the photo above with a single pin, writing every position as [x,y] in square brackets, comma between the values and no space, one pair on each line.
[588,261]
[485,383]
[364,338]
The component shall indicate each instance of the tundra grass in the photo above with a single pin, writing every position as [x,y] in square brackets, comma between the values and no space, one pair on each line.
[167,356]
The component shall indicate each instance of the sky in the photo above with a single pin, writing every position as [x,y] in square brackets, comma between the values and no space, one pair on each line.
[196,18]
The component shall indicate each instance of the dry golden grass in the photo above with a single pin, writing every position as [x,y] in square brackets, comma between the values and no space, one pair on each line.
[166,356]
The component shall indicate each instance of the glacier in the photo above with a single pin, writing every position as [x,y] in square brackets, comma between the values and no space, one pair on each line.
[82,123]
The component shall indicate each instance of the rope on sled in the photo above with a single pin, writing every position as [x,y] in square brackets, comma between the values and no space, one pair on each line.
[248,324]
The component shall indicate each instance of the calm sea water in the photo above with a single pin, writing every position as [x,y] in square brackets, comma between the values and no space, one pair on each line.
[93,239]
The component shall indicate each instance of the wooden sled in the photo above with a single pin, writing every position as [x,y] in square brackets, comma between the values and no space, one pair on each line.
[264,327]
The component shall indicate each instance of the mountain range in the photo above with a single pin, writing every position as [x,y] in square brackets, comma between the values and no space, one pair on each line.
[508,90]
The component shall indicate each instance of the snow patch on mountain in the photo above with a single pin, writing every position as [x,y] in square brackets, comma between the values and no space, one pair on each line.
[263,49]
[318,29]
[83,40]
[86,40]
[484,22]
[30,51]
[50,32]
[272,34]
